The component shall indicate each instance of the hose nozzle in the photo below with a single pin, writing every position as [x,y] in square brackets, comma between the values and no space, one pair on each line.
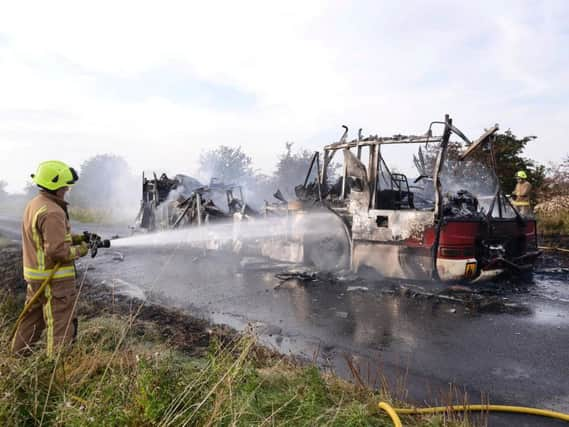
[95,242]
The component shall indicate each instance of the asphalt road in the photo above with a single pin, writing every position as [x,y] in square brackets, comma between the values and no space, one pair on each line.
[516,353]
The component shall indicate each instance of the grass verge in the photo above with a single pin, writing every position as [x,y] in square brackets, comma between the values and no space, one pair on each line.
[145,381]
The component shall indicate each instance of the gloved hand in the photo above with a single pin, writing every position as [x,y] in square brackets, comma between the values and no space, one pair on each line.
[83,249]
[77,238]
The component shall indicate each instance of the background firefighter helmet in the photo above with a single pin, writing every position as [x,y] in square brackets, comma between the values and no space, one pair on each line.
[521,175]
[53,175]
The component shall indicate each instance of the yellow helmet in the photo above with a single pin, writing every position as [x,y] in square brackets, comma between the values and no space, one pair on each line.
[522,175]
[53,175]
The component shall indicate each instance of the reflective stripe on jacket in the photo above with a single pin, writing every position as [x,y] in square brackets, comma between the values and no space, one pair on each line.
[46,240]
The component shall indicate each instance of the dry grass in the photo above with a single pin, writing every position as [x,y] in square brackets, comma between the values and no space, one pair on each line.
[118,375]
[554,224]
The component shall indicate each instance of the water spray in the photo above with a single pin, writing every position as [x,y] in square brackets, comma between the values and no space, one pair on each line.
[297,226]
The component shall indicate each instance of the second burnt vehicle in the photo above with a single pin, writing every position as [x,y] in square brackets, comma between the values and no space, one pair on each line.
[452,223]
[169,203]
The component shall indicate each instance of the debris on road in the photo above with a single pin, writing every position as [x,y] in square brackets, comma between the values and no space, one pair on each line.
[553,270]
[303,276]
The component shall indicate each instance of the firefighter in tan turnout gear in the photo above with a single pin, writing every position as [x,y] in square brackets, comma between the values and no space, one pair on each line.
[47,243]
[521,194]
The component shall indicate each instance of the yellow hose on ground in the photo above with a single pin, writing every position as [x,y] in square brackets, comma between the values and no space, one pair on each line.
[464,408]
[33,300]
[391,412]
[551,248]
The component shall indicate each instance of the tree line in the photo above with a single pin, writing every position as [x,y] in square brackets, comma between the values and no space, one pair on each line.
[106,179]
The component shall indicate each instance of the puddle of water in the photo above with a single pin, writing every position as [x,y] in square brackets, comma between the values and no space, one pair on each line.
[552,287]
[554,315]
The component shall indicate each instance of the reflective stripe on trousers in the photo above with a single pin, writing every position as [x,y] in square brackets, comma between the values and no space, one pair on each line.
[61,273]
[48,315]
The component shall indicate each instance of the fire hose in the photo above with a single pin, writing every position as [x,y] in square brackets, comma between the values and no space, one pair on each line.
[551,248]
[395,412]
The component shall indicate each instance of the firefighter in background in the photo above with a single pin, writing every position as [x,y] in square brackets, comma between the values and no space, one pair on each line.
[46,242]
[521,194]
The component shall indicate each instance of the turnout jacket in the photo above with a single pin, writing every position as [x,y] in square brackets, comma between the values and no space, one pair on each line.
[522,193]
[46,240]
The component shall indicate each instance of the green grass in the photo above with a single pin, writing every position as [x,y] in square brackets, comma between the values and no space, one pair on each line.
[116,375]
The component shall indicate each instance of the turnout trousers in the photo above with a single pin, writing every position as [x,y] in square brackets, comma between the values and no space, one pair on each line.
[53,311]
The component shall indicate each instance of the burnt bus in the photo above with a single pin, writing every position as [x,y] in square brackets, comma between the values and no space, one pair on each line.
[440,226]
[182,201]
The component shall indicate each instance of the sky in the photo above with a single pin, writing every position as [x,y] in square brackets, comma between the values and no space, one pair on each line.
[159,82]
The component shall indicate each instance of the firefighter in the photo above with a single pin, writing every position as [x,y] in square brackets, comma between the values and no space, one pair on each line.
[46,242]
[521,194]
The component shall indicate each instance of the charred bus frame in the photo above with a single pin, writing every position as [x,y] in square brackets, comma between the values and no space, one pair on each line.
[431,245]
